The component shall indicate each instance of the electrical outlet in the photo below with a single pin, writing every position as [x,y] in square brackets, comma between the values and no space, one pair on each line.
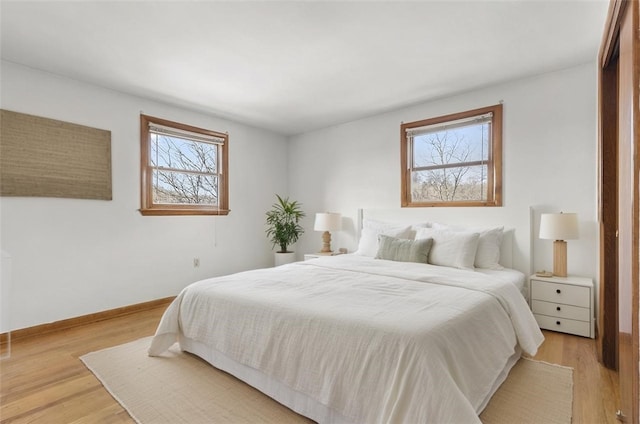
[196,262]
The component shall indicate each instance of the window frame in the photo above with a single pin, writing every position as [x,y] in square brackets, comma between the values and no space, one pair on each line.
[494,161]
[148,207]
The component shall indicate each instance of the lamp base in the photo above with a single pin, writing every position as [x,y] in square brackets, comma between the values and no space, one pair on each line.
[326,242]
[560,258]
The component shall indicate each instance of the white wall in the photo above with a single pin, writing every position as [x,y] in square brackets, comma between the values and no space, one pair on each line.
[74,257]
[549,162]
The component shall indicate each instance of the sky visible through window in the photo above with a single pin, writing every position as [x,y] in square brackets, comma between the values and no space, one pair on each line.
[474,137]
[197,184]
[434,180]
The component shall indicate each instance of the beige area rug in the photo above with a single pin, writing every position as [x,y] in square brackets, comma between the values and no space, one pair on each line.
[181,388]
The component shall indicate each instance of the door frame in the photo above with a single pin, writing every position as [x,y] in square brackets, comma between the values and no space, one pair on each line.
[619,80]
[607,338]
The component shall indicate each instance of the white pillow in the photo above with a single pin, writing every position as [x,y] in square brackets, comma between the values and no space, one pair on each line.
[383,225]
[416,226]
[489,242]
[456,249]
[379,226]
[368,244]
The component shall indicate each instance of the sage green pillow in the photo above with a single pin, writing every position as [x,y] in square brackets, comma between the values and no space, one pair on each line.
[403,250]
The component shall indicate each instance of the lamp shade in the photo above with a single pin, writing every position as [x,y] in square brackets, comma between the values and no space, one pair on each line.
[328,221]
[559,226]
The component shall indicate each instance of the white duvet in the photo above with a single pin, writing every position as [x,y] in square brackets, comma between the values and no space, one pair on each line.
[378,341]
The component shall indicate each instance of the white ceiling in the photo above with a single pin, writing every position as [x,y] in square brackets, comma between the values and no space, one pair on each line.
[292,66]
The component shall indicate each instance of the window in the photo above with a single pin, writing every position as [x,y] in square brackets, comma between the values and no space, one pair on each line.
[184,169]
[453,160]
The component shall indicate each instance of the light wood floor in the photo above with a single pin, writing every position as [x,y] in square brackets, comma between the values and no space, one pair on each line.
[44,381]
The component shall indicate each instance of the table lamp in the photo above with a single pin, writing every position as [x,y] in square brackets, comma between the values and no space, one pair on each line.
[559,227]
[327,221]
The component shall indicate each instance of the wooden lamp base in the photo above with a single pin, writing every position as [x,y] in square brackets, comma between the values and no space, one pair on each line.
[326,242]
[560,258]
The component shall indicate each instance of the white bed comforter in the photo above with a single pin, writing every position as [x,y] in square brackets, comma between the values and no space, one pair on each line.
[378,341]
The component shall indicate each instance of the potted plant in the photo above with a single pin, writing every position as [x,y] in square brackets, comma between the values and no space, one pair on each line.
[283,228]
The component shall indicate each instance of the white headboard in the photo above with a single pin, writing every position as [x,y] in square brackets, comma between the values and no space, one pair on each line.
[516,245]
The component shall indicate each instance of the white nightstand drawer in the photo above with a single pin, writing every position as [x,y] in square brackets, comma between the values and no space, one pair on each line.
[560,310]
[561,293]
[580,328]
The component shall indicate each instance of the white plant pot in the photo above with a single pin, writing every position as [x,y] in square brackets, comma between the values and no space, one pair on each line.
[284,258]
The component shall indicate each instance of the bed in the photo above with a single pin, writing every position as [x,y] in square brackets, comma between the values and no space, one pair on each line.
[355,338]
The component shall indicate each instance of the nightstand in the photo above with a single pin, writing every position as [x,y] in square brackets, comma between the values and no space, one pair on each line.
[308,256]
[563,304]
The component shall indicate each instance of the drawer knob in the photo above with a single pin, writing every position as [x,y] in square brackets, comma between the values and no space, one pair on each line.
[557,322]
[558,291]
[557,308]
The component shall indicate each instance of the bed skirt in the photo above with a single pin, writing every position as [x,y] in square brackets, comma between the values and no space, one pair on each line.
[292,399]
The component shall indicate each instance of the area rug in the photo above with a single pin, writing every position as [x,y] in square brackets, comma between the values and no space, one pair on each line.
[181,388]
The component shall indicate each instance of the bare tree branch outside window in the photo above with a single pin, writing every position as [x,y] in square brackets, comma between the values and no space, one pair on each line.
[453,160]
[185,171]
[448,167]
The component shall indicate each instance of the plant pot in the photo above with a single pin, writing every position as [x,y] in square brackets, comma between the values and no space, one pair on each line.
[284,258]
